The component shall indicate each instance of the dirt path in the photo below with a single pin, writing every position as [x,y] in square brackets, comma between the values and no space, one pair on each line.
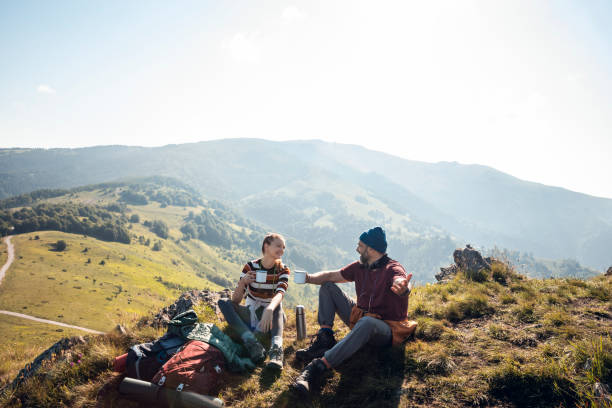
[36,319]
[9,260]
[5,267]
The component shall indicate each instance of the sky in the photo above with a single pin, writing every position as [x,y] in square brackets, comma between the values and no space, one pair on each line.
[522,86]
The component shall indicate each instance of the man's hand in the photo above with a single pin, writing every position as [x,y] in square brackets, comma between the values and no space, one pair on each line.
[265,324]
[400,285]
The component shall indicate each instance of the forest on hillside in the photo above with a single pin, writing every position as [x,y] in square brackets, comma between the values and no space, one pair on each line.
[94,221]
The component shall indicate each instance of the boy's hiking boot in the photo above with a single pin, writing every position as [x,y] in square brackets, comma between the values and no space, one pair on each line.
[256,351]
[276,357]
[323,342]
[310,379]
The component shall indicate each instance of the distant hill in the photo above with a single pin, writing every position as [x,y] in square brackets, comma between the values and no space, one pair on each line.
[329,193]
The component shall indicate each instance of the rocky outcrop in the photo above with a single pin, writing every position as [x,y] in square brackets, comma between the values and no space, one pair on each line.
[609,271]
[186,302]
[56,352]
[447,273]
[467,259]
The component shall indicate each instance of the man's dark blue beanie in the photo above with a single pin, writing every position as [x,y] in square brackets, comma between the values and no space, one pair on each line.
[376,239]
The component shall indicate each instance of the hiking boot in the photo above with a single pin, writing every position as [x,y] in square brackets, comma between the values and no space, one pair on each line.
[276,357]
[256,351]
[323,342]
[310,378]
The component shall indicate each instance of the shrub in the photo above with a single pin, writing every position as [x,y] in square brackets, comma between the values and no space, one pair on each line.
[525,312]
[135,219]
[429,329]
[157,246]
[497,332]
[60,245]
[469,307]
[476,275]
[599,292]
[556,318]
[160,229]
[532,386]
[499,277]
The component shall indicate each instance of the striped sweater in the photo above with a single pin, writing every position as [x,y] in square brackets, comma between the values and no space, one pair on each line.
[276,281]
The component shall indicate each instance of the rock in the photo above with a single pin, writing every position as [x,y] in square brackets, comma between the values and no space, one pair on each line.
[187,301]
[120,330]
[447,273]
[609,271]
[470,259]
[602,392]
[58,351]
[465,259]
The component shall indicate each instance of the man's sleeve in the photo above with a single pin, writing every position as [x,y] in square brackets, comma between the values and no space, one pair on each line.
[283,280]
[348,272]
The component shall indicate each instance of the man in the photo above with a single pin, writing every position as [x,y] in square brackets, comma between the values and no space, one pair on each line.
[382,288]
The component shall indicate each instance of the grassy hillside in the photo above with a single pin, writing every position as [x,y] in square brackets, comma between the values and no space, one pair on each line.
[101,279]
[508,341]
[3,252]
[23,340]
[96,284]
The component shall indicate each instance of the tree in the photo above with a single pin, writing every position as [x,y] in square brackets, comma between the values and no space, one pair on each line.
[60,245]
[160,229]
[135,219]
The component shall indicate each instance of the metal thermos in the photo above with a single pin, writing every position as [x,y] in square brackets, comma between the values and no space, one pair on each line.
[300,322]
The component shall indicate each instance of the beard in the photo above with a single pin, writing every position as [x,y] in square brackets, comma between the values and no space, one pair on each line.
[363,258]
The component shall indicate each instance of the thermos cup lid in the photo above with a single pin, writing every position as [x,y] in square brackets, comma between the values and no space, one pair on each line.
[299,309]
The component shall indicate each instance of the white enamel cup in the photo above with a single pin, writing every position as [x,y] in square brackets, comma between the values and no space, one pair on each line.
[299,276]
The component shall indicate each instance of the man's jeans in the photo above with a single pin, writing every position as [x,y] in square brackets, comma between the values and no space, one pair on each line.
[368,330]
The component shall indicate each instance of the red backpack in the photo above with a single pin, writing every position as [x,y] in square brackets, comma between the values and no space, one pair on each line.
[195,367]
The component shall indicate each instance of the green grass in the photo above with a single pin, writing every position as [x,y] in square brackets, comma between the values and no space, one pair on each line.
[41,280]
[490,359]
[23,340]
[3,252]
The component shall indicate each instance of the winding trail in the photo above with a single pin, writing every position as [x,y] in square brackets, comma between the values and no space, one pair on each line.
[5,267]
[9,260]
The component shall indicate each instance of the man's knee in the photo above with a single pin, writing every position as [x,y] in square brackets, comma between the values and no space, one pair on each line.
[367,322]
[328,288]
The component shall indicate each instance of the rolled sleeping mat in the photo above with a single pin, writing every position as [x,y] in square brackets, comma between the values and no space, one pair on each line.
[144,391]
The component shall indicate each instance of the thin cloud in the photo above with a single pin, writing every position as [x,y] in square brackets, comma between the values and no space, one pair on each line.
[45,89]
[291,14]
[243,47]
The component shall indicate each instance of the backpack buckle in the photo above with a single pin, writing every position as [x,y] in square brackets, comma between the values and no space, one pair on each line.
[161,381]
[180,387]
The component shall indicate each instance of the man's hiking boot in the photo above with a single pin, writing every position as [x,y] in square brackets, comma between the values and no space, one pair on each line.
[276,357]
[310,379]
[257,352]
[323,342]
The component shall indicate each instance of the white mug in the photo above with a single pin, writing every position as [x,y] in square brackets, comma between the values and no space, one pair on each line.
[299,276]
[261,276]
